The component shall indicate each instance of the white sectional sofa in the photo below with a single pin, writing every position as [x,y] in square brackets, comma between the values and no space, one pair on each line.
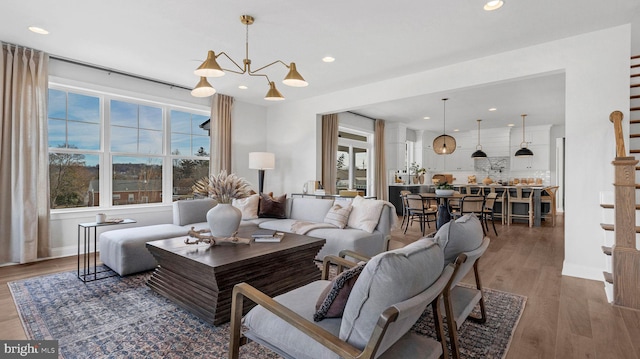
[124,250]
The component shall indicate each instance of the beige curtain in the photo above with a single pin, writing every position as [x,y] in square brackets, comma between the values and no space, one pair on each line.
[380,177]
[24,158]
[329,152]
[221,133]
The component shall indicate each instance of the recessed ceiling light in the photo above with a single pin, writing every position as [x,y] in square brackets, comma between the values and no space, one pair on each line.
[242,87]
[493,5]
[492,109]
[38,30]
[456,130]
[510,125]
[426,118]
[328,59]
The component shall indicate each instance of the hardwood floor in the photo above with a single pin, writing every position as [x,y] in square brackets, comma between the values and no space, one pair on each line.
[564,317]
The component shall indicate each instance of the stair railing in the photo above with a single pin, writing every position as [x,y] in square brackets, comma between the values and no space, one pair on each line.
[625,256]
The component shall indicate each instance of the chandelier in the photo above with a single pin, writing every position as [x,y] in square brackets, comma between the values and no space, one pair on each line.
[211,68]
[444,144]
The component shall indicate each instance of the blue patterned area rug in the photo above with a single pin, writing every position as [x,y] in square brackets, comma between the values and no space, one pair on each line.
[122,318]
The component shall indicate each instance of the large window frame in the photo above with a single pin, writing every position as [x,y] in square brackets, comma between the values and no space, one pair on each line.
[105,155]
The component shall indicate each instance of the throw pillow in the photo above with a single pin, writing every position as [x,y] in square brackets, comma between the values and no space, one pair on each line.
[333,299]
[273,207]
[462,235]
[338,215]
[248,206]
[365,213]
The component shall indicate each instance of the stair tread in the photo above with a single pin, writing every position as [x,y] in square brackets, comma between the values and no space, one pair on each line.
[634,151]
[608,277]
[611,206]
[634,135]
[635,85]
[606,250]
[634,121]
[610,227]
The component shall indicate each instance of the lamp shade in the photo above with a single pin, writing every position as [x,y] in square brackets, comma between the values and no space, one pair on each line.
[209,67]
[203,88]
[294,78]
[444,145]
[479,154]
[524,152]
[273,94]
[262,161]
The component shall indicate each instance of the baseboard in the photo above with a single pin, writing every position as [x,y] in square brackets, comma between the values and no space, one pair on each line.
[573,270]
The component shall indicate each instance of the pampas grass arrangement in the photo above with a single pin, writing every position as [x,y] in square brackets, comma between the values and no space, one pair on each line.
[222,187]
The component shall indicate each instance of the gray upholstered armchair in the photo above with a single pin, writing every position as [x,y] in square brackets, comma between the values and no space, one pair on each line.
[391,292]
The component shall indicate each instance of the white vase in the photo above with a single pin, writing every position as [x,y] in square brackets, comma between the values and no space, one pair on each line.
[224,219]
[444,192]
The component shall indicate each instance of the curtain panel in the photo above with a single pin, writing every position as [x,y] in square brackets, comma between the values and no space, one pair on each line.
[380,180]
[220,134]
[24,157]
[329,152]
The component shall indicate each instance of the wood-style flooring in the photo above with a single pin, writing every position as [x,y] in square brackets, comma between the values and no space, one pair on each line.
[564,317]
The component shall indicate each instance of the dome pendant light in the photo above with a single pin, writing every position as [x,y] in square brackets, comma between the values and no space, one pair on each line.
[444,144]
[479,152]
[523,151]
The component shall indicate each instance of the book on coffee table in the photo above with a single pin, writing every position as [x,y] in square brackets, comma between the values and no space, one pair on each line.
[263,233]
[276,238]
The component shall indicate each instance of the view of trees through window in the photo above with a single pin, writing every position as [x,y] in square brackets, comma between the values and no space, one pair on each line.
[352,161]
[131,163]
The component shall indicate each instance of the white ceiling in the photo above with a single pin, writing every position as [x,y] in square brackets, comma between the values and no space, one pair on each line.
[371,40]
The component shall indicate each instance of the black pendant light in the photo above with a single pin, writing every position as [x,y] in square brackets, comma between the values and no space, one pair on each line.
[479,152]
[523,151]
[444,144]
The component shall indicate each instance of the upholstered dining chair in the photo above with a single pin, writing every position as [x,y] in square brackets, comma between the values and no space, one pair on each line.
[388,297]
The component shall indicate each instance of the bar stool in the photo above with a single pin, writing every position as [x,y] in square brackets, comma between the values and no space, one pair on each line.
[502,199]
[517,197]
[549,196]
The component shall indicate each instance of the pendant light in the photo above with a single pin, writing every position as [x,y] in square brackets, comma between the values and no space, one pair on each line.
[444,144]
[523,151]
[479,152]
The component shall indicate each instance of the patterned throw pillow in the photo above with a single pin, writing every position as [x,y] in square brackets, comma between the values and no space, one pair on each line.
[273,207]
[338,215]
[333,299]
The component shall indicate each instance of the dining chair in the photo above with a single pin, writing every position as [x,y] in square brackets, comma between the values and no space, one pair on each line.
[405,216]
[549,197]
[488,211]
[420,209]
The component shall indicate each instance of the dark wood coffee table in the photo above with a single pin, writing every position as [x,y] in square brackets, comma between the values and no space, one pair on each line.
[200,278]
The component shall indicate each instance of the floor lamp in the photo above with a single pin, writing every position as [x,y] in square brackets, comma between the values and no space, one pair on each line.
[261,161]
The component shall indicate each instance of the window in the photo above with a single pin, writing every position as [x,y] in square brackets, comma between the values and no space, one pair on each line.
[354,159]
[135,161]
[189,152]
[74,155]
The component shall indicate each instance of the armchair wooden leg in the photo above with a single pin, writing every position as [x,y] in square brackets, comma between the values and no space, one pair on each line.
[437,321]
[483,311]
[236,325]
[451,323]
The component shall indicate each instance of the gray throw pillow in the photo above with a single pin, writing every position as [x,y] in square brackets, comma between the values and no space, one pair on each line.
[462,235]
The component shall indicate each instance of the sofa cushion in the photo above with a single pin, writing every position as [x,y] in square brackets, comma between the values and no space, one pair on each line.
[462,235]
[389,278]
[310,209]
[248,206]
[273,207]
[338,215]
[191,211]
[333,299]
[365,213]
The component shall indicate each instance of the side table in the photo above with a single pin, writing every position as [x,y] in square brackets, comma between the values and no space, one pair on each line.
[86,228]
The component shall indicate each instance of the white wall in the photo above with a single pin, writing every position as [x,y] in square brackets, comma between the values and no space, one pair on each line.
[248,134]
[597,82]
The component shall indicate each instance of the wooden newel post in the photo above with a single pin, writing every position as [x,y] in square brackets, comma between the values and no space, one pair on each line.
[626,258]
